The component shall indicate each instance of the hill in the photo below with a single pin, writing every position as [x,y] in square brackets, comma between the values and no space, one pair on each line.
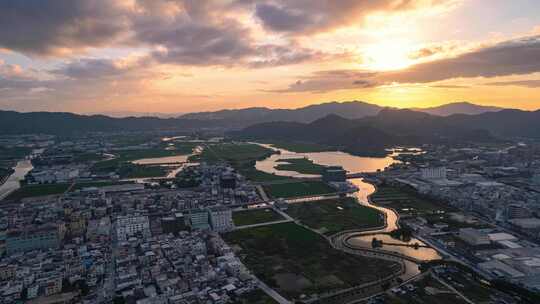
[458,108]
[369,136]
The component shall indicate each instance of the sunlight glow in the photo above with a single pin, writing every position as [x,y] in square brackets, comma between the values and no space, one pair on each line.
[388,55]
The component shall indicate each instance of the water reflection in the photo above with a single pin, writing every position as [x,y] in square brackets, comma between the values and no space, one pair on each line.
[351,163]
[392,221]
[13,182]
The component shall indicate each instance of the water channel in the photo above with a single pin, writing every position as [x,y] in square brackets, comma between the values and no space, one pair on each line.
[356,164]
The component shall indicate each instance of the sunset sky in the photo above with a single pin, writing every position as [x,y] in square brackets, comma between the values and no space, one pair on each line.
[172,56]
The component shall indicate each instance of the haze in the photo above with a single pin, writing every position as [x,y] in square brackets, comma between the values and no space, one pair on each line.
[161,56]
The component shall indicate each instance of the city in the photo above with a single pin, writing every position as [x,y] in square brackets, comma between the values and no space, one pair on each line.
[270,152]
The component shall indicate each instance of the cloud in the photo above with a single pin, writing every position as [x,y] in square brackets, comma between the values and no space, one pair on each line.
[325,81]
[514,57]
[302,17]
[60,26]
[530,83]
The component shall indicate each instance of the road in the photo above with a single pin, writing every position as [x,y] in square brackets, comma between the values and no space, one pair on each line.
[272,293]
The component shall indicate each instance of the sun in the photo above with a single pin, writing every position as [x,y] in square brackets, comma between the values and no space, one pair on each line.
[388,55]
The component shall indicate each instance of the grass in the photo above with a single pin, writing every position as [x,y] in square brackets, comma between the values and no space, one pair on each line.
[298,189]
[99,184]
[302,147]
[128,170]
[440,294]
[87,157]
[242,156]
[255,175]
[255,216]
[406,201]
[300,165]
[254,297]
[233,152]
[335,215]
[288,250]
[123,166]
[38,190]
[470,287]
[14,153]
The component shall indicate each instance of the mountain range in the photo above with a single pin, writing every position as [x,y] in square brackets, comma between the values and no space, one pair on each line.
[372,135]
[334,123]
[350,109]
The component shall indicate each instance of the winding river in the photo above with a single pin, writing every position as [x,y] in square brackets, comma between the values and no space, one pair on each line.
[358,164]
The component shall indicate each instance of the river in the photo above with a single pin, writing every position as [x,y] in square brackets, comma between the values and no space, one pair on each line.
[13,181]
[351,163]
[356,164]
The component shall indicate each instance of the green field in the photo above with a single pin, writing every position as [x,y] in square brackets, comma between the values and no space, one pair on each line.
[335,215]
[300,165]
[255,216]
[300,147]
[298,189]
[428,290]
[38,190]
[255,297]
[255,175]
[233,152]
[298,261]
[128,170]
[97,184]
[123,166]
[14,153]
[242,156]
[406,201]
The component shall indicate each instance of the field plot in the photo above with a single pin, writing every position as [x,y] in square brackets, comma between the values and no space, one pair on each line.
[255,216]
[298,189]
[335,215]
[297,261]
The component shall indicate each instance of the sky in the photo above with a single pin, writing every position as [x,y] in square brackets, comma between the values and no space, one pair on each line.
[177,56]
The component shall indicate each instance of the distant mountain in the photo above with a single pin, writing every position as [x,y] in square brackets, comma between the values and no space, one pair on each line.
[123,114]
[368,136]
[458,108]
[68,123]
[350,109]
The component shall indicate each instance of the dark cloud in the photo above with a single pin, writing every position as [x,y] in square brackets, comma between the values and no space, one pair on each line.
[531,83]
[93,68]
[326,81]
[51,27]
[310,16]
[515,57]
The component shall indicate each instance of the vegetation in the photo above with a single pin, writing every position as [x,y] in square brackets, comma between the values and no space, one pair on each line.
[335,215]
[242,156]
[122,165]
[298,189]
[233,153]
[407,201]
[298,261]
[87,157]
[14,153]
[255,216]
[300,165]
[128,170]
[38,190]
[97,184]
[428,290]
[255,175]
[254,297]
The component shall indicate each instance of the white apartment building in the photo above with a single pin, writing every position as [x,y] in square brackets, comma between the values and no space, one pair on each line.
[433,173]
[221,219]
[127,226]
